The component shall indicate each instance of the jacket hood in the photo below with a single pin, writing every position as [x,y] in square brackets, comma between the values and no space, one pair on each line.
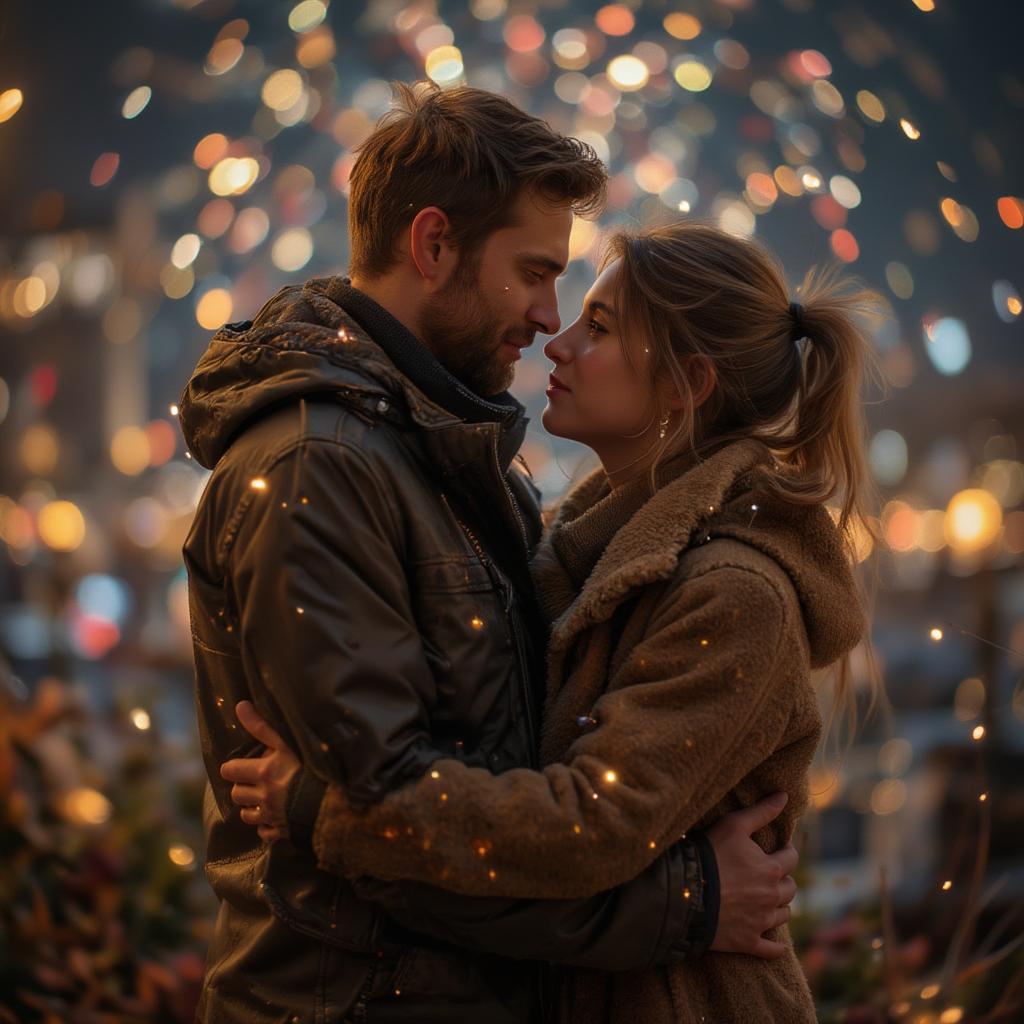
[717,498]
[305,342]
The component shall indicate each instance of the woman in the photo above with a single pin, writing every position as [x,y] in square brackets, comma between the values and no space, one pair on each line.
[692,583]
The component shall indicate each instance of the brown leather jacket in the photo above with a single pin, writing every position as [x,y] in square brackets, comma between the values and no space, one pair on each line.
[358,568]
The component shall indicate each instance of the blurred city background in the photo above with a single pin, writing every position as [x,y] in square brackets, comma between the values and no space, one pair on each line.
[165,165]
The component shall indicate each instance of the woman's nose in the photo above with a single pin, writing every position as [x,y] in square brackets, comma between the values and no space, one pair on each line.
[558,349]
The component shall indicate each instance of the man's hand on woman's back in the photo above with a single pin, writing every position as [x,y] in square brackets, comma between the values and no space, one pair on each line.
[756,887]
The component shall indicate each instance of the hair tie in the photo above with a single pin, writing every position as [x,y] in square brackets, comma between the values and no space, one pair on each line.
[796,311]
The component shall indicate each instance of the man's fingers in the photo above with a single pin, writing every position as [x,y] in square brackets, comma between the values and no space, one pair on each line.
[241,769]
[787,891]
[765,811]
[787,858]
[256,726]
[768,950]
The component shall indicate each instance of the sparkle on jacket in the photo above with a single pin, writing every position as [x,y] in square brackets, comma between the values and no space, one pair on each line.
[679,688]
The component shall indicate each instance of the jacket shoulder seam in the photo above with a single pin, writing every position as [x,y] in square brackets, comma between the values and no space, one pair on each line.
[231,528]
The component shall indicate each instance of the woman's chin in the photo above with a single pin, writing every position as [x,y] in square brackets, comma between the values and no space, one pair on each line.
[554,424]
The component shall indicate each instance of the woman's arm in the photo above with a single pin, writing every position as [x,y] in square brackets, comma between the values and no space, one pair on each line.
[693,709]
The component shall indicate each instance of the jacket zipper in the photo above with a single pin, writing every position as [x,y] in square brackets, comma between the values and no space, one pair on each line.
[512,618]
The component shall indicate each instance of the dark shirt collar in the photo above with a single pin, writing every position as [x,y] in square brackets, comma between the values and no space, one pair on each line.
[419,364]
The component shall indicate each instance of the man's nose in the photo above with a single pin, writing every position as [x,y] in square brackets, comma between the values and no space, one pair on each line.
[546,318]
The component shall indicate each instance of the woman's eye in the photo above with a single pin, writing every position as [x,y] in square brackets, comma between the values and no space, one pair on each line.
[593,327]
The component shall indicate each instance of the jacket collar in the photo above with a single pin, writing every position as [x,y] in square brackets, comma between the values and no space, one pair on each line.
[715,498]
[304,342]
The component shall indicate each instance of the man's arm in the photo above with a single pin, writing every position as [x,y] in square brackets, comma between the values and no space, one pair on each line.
[332,651]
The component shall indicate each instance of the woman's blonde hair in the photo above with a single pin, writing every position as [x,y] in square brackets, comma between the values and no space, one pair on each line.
[691,289]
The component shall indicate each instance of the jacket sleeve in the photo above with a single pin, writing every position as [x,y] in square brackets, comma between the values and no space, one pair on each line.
[654,919]
[330,643]
[695,706]
[667,913]
[327,634]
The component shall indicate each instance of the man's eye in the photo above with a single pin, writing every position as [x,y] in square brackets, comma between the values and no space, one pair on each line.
[533,277]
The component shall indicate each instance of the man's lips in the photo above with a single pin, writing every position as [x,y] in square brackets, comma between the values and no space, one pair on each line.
[517,347]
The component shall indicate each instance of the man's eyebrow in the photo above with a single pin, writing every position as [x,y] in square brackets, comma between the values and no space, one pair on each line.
[596,306]
[539,260]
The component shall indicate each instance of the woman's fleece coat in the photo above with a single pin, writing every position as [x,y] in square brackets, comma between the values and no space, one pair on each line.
[684,631]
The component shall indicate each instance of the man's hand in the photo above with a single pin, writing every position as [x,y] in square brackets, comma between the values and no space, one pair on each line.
[261,783]
[756,887]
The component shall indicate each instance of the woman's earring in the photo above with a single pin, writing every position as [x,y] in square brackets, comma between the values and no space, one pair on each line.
[663,427]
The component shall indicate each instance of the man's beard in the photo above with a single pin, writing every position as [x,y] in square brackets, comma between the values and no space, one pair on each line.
[465,333]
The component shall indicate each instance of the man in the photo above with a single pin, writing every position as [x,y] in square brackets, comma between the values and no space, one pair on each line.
[358,569]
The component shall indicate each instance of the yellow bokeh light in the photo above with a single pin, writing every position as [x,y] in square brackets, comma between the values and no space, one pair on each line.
[129,450]
[140,719]
[444,64]
[233,176]
[693,75]
[909,129]
[29,296]
[871,106]
[86,806]
[628,73]
[974,519]
[307,15]
[10,103]
[581,238]
[283,89]
[39,450]
[61,525]
[185,250]
[214,309]
[292,249]
[182,855]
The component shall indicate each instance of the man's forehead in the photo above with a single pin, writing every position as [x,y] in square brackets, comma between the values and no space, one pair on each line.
[541,230]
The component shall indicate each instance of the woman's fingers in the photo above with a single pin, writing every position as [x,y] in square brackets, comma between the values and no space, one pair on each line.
[246,796]
[251,815]
[257,726]
[782,915]
[269,834]
[242,769]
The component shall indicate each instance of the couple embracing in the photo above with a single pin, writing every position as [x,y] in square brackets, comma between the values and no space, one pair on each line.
[471,765]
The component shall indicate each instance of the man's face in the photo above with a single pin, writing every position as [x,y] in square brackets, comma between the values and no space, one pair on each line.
[499,297]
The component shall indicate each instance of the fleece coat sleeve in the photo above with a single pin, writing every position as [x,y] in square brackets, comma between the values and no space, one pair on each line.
[694,707]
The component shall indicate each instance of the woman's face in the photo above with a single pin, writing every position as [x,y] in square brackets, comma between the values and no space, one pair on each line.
[594,395]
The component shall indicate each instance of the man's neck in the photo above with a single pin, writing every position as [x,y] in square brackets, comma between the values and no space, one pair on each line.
[392,295]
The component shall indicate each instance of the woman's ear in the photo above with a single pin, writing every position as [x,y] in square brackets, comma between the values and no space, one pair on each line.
[700,372]
[430,250]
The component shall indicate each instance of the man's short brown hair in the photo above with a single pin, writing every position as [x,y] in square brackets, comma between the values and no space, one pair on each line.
[472,154]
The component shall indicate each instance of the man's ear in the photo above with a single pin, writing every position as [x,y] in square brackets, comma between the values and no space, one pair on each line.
[430,249]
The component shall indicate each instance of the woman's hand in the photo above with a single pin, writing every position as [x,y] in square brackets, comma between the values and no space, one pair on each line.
[261,783]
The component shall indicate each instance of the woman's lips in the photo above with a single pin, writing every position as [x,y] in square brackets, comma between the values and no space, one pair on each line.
[555,387]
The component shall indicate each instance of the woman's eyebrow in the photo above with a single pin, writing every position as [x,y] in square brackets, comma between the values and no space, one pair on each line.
[596,306]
